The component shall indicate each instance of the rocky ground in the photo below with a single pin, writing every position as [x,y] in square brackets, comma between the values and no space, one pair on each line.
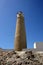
[20,58]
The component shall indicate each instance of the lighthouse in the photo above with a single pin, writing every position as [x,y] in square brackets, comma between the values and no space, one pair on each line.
[20,33]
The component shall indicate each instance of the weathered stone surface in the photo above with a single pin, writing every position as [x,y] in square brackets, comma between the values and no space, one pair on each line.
[21,58]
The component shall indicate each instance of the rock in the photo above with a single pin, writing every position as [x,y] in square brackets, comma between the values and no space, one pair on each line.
[28,57]
[27,62]
[21,58]
[9,63]
[17,56]
[19,63]
[14,52]
[32,56]
[30,52]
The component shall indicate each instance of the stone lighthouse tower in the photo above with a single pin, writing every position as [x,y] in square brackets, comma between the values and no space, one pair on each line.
[20,34]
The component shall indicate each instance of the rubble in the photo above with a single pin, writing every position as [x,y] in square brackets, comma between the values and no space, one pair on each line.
[20,58]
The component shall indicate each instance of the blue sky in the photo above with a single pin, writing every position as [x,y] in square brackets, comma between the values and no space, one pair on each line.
[33,14]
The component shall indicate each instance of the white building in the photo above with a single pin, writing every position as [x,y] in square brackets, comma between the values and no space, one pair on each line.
[38,46]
